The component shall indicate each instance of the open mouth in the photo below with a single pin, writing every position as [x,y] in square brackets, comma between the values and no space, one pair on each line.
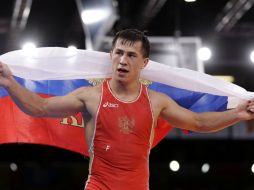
[121,70]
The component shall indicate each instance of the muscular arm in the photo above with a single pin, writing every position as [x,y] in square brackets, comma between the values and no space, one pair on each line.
[37,106]
[34,105]
[202,122]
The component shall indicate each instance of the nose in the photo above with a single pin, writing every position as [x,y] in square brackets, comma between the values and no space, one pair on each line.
[123,60]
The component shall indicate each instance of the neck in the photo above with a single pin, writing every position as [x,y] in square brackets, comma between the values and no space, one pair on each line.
[125,91]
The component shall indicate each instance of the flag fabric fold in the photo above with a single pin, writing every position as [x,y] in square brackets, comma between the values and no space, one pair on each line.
[54,71]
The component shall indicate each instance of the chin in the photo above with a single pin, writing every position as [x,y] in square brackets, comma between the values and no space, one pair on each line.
[121,79]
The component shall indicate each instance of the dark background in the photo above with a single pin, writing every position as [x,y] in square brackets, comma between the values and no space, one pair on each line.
[57,23]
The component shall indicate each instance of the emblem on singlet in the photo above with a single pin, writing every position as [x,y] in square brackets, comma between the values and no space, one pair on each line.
[126,124]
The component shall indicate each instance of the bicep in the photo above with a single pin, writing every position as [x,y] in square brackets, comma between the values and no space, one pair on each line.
[63,106]
[176,115]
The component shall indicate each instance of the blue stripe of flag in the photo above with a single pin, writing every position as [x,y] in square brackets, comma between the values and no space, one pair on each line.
[195,101]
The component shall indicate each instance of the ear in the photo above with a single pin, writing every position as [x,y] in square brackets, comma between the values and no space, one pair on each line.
[146,60]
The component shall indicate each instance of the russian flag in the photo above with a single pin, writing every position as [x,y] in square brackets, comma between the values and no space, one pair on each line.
[54,71]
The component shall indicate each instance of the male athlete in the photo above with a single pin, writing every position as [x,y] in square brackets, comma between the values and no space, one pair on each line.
[121,115]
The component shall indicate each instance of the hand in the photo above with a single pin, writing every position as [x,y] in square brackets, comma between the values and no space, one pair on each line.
[246,110]
[5,75]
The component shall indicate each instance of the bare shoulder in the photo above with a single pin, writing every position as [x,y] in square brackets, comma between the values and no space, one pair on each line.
[158,97]
[159,101]
[89,90]
[90,96]
[88,93]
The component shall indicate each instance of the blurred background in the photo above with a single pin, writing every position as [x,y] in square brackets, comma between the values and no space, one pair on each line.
[211,36]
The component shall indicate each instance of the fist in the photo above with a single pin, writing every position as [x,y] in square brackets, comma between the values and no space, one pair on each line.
[5,75]
[250,106]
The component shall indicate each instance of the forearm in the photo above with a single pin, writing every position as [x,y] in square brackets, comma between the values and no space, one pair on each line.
[203,122]
[215,121]
[27,101]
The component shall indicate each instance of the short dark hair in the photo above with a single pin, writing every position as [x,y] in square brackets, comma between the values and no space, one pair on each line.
[132,36]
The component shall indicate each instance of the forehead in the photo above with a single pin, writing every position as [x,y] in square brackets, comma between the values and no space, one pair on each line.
[128,45]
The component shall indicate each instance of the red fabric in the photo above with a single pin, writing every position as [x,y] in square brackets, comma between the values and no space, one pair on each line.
[121,144]
[17,127]
[162,129]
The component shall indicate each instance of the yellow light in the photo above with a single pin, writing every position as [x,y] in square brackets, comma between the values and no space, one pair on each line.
[227,78]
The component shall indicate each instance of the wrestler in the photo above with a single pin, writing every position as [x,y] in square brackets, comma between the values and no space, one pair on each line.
[121,115]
